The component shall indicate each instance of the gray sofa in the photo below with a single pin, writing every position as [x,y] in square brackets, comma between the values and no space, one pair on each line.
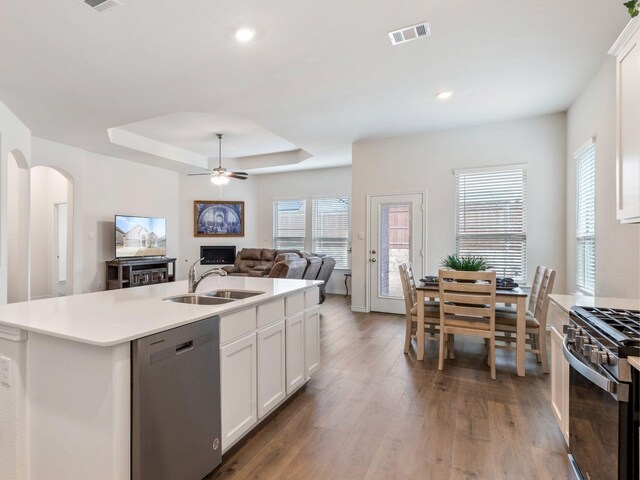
[267,262]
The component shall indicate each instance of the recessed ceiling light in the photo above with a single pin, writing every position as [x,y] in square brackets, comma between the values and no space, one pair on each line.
[245,34]
[444,95]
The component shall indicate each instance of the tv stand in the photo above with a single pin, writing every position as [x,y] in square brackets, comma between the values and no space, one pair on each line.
[136,272]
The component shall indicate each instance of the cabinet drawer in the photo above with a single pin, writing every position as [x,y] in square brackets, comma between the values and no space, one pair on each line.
[295,304]
[235,325]
[271,312]
[311,297]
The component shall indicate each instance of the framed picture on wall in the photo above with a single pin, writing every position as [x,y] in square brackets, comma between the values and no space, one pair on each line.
[218,218]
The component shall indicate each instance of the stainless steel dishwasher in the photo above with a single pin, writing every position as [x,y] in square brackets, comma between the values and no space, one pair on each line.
[175,417]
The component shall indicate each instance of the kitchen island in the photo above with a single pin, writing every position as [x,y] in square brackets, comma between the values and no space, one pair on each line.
[66,398]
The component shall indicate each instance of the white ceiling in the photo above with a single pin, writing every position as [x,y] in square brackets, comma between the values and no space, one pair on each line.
[317,77]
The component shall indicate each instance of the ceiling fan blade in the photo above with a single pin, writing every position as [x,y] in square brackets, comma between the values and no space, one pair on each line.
[196,174]
[239,177]
[241,173]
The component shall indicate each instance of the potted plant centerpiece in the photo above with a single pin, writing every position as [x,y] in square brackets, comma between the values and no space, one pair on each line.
[465,263]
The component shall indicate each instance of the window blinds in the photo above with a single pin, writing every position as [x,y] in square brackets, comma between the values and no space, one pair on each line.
[491,219]
[586,218]
[331,229]
[289,222]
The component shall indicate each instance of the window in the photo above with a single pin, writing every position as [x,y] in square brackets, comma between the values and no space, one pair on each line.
[289,221]
[491,218]
[586,218]
[331,229]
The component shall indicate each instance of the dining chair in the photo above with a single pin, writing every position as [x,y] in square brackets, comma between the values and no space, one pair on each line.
[431,308]
[467,307]
[533,294]
[536,320]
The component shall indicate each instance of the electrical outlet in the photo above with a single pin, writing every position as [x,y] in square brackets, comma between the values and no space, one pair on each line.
[5,370]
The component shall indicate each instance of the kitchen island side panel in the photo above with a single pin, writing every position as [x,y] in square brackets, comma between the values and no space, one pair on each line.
[79,409]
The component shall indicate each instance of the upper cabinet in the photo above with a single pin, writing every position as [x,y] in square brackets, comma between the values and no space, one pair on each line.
[627,53]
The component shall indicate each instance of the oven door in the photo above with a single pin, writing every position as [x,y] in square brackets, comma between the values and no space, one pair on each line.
[598,421]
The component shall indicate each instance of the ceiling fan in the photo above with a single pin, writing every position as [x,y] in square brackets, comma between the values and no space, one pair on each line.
[219,175]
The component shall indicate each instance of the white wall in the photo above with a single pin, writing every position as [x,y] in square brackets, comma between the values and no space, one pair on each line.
[48,187]
[14,136]
[593,113]
[18,229]
[200,188]
[103,187]
[424,162]
[305,184]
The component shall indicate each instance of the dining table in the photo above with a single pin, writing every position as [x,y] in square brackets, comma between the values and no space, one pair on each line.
[515,296]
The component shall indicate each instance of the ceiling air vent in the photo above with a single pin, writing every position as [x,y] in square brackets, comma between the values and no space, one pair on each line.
[407,34]
[102,5]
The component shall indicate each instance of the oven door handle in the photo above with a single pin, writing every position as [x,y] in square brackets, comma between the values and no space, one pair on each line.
[619,391]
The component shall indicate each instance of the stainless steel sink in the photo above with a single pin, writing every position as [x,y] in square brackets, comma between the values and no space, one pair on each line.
[232,294]
[198,300]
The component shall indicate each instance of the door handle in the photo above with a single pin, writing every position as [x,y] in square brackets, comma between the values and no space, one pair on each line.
[373,260]
[372,252]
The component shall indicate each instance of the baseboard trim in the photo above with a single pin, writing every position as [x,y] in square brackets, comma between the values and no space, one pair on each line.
[335,292]
[41,297]
[359,309]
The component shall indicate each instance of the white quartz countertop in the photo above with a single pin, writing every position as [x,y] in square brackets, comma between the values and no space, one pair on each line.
[565,302]
[117,316]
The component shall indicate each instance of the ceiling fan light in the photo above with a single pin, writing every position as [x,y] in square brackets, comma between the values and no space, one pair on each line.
[219,179]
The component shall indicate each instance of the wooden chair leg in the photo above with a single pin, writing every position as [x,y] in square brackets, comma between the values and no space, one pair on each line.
[535,345]
[407,336]
[451,346]
[542,345]
[442,340]
[492,357]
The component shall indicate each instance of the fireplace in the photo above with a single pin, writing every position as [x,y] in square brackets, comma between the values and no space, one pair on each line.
[217,255]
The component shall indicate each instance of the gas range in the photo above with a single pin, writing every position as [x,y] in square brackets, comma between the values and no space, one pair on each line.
[605,337]
[604,393]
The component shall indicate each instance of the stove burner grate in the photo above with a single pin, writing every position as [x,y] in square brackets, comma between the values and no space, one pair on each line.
[621,326]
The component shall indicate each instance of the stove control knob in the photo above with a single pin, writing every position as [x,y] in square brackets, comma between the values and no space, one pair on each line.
[588,348]
[599,357]
[581,340]
[570,332]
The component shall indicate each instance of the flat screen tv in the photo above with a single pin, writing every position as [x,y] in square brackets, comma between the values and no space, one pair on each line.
[140,236]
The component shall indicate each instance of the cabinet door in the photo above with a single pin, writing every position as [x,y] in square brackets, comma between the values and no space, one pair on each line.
[628,167]
[272,383]
[311,341]
[559,384]
[238,388]
[295,352]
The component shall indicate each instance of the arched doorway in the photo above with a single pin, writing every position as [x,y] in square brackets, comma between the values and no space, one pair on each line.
[17,228]
[51,233]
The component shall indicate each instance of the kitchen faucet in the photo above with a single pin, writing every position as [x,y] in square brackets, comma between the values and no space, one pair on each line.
[194,282]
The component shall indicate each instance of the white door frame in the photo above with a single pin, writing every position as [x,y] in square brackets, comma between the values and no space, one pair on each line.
[367,290]
[55,274]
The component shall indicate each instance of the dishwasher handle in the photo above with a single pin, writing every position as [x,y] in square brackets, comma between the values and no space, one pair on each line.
[180,348]
[184,347]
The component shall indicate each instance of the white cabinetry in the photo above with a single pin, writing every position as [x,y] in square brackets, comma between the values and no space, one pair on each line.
[262,359]
[627,53]
[271,367]
[559,370]
[295,352]
[238,380]
[311,341]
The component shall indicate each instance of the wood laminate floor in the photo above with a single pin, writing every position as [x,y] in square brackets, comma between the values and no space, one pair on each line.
[372,412]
